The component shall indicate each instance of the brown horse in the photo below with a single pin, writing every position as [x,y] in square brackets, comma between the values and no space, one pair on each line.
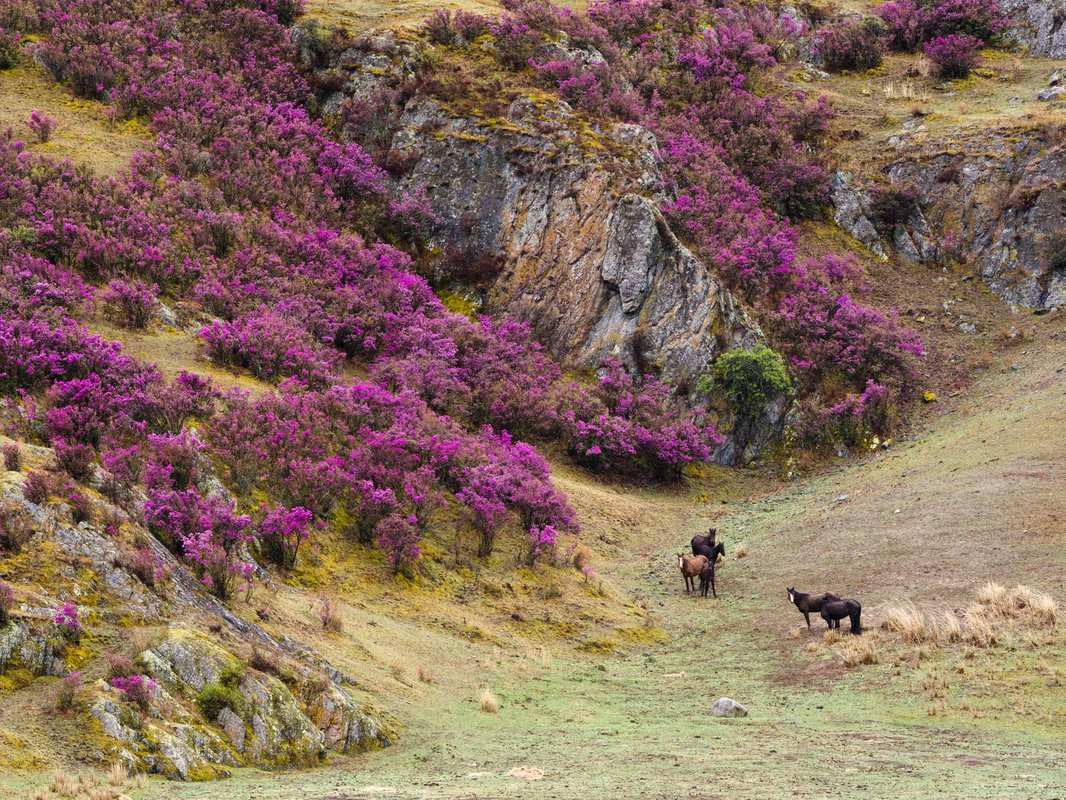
[691,568]
[707,577]
[809,603]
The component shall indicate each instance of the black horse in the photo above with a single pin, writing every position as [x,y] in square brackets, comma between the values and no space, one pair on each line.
[835,610]
[707,546]
[809,603]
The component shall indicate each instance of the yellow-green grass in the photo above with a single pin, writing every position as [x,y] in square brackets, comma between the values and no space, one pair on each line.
[358,15]
[84,133]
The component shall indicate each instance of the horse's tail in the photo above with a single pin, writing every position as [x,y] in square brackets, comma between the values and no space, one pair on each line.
[856,615]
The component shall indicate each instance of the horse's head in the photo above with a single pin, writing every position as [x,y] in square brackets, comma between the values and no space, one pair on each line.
[681,560]
[791,594]
[711,533]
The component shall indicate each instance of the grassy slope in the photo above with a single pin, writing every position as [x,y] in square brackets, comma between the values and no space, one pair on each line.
[358,15]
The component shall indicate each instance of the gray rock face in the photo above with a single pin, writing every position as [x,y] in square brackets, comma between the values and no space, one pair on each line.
[726,707]
[1039,25]
[596,271]
[1000,202]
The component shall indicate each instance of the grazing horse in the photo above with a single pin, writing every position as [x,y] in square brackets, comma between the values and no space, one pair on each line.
[707,578]
[691,568]
[705,546]
[835,610]
[809,603]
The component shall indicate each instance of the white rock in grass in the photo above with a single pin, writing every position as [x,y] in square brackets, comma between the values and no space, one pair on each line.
[726,707]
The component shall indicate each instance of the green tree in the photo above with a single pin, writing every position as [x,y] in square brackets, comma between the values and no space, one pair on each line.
[747,379]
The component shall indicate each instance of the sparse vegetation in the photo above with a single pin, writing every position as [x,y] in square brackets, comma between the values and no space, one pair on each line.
[488,702]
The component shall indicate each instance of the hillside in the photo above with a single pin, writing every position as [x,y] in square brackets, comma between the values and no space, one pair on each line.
[365,366]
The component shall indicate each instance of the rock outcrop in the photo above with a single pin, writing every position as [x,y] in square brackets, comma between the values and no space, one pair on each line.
[288,719]
[564,215]
[991,199]
[1040,25]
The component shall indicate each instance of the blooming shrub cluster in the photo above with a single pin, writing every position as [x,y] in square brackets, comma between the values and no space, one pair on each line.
[913,23]
[852,44]
[66,620]
[954,55]
[42,125]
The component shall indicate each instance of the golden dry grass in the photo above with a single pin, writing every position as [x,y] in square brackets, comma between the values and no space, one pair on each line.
[858,650]
[83,134]
[489,703]
[905,619]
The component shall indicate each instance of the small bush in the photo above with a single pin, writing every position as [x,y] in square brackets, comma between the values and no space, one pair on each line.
[12,458]
[852,45]
[425,675]
[14,530]
[81,509]
[10,49]
[131,302]
[42,125]
[7,603]
[748,379]
[330,616]
[74,458]
[955,55]
[119,666]
[488,701]
[214,697]
[136,689]
[68,693]
[36,488]
[264,662]
[893,204]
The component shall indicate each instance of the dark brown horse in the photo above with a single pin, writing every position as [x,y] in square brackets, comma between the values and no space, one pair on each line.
[835,610]
[707,578]
[691,568]
[707,546]
[809,603]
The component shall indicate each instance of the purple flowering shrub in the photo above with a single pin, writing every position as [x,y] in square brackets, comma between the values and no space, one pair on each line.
[132,302]
[136,689]
[912,23]
[853,44]
[42,125]
[954,55]
[66,620]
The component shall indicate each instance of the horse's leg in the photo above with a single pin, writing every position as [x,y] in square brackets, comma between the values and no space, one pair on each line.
[807,616]
[714,591]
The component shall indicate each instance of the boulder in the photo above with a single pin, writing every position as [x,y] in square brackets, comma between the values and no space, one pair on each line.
[727,707]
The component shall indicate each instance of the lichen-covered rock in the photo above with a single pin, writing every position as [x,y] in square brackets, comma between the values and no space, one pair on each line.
[272,727]
[344,725]
[1039,25]
[22,648]
[997,198]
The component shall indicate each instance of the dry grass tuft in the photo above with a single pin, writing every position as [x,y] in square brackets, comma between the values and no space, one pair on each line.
[425,675]
[64,784]
[948,629]
[979,629]
[545,658]
[489,703]
[742,551]
[831,636]
[813,647]
[993,595]
[118,775]
[906,620]
[856,650]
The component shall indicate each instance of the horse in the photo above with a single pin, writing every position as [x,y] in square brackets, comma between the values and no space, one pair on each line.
[808,603]
[835,610]
[705,546]
[707,577]
[691,569]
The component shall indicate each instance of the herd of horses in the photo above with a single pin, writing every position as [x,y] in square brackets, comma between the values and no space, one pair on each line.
[705,553]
